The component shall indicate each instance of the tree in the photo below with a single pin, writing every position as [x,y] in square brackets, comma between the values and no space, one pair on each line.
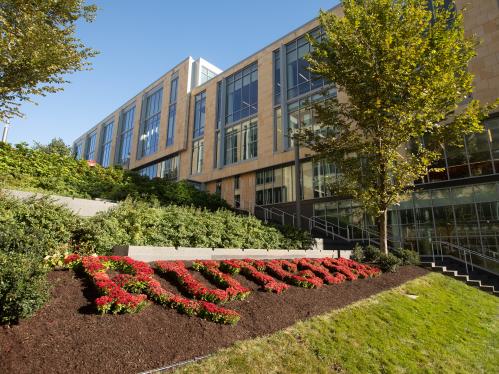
[38,49]
[404,70]
[56,146]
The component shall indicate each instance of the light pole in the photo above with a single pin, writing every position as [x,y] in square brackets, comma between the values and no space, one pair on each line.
[5,131]
[297,182]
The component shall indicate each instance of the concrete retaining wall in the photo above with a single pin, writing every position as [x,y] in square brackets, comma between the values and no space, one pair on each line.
[81,207]
[148,254]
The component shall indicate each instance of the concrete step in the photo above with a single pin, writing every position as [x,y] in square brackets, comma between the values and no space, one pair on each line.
[427,264]
[461,277]
[489,289]
[474,283]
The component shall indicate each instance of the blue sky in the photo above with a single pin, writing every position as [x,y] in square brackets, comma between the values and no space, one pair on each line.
[141,40]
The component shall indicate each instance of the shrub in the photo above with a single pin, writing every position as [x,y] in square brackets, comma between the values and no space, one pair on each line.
[140,223]
[37,227]
[388,262]
[358,253]
[371,253]
[23,286]
[58,173]
[407,256]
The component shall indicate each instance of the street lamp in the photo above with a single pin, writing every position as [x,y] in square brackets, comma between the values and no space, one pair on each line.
[5,131]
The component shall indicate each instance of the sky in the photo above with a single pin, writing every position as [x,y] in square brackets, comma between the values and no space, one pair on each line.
[140,40]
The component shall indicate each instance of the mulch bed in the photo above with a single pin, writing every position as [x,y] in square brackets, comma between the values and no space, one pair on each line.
[67,336]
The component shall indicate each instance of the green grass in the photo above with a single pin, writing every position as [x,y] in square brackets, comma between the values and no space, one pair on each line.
[448,328]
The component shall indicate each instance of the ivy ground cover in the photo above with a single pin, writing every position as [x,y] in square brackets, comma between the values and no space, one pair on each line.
[133,286]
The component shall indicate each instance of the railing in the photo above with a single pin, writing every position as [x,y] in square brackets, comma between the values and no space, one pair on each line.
[469,257]
[349,232]
[273,214]
[326,227]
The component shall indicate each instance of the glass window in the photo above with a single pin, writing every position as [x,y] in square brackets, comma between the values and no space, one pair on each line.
[206,74]
[219,105]
[241,142]
[199,114]
[90,146]
[299,79]
[479,153]
[125,137]
[218,188]
[492,128]
[242,94]
[172,111]
[106,140]
[150,171]
[168,168]
[277,77]
[197,157]
[275,185]
[78,151]
[457,162]
[148,140]
[278,131]
[301,113]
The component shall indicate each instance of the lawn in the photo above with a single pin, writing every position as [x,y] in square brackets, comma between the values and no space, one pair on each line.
[430,324]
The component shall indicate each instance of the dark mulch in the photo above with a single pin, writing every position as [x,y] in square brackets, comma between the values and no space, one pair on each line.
[67,336]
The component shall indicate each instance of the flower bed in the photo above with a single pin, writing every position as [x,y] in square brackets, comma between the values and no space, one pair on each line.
[320,271]
[115,297]
[180,274]
[130,289]
[266,282]
[137,278]
[302,279]
[232,287]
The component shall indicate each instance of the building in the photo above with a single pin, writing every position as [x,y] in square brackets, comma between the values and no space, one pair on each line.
[227,132]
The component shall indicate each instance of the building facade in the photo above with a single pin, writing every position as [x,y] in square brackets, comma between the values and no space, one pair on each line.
[227,132]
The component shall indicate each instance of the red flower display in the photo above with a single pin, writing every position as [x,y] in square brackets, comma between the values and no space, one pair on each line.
[266,282]
[232,288]
[306,280]
[129,290]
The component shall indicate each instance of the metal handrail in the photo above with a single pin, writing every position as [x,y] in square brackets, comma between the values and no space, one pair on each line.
[268,213]
[325,226]
[350,231]
[467,254]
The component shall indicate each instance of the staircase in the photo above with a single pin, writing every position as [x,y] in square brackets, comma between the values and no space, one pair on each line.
[465,265]
[468,279]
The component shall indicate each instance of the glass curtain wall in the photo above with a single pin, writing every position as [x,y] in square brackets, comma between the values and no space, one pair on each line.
[90,146]
[464,215]
[148,140]
[106,140]
[478,156]
[172,111]
[125,136]
[78,151]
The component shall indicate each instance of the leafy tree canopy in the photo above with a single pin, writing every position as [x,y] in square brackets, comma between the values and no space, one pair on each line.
[56,146]
[404,68]
[39,48]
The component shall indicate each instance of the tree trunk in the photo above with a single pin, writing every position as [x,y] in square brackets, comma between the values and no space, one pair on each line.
[383,231]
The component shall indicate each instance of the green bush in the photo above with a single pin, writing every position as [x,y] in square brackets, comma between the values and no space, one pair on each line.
[55,172]
[407,256]
[358,253]
[141,223]
[388,262]
[371,253]
[36,227]
[23,286]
